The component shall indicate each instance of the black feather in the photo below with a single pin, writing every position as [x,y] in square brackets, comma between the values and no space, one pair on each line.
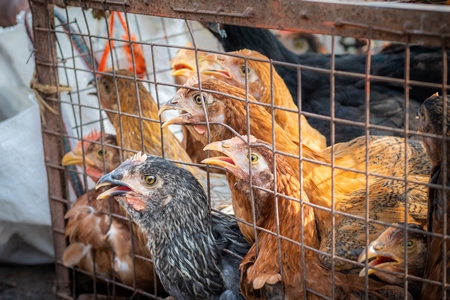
[191,254]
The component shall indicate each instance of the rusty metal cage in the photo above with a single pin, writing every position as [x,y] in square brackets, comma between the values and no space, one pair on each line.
[64,67]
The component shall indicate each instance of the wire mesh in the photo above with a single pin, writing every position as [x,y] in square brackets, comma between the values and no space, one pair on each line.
[387,173]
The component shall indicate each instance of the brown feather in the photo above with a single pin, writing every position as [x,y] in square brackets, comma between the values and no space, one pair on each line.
[386,154]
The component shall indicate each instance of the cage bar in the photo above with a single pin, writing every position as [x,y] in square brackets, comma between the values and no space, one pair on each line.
[47,75]
[383,20]
[414,23]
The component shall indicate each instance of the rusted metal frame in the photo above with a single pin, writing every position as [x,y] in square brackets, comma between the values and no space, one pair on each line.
[332,143]
[300,176]
[367,134]
[445,184]
[406,128]
[133,60]
[205,112]
[389,21]
[45,51]
[274,163]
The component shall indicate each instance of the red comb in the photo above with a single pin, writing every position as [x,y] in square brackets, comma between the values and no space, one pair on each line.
[92,136]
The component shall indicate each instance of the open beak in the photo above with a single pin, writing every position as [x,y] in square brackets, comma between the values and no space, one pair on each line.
[217,73]
[220,71]
[120,188]
[221,161]
[71,159]
[182,69]
[93,83]
[171,105]
[375,259]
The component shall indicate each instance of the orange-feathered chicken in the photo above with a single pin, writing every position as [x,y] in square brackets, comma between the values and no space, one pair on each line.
[289,214]
[386,154]
[184,64]
[259,75]
[434,119]
[93,231]
[135,119]
[387,253]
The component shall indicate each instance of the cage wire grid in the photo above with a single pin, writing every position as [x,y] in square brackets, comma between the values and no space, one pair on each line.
[57,58]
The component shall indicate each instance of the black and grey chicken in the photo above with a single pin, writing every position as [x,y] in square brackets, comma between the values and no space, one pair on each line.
[171,208]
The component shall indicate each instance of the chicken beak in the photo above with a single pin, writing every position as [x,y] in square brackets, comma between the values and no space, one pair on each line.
[119,190]
[371,253]
[93,83]
[217,73]
[221,161]
[171,105]
[71,159]
[215,58]
[182,69]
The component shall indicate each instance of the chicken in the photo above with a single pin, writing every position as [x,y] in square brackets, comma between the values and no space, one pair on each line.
[432,115]
[388,201]
[184,64]
[387,253]
[260,75]
[97,228]
[295,221]
[99,159]
[117,93]
[386,99]
[387,156]
[171,208]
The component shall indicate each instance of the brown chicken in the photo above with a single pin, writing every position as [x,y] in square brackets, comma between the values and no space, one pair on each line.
[93,231]
[258,73]
[141,131]
[261,268]
[184,64]
[316,178]
[98,159]
[386,202]
[431,120]
[387,253]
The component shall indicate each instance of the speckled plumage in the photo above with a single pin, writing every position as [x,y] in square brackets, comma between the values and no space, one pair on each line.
[145,135]
[387,203]
[431,116]
[387,252]
[186,247]
[386,154]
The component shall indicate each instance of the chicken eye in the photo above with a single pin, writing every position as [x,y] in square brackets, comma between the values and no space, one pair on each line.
[254,158]
[107,87]
[150,179]
[198,99]
[410,244]
[243,69]
[102,152]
